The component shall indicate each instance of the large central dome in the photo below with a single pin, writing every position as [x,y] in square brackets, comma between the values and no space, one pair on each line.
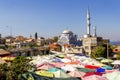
[67,32]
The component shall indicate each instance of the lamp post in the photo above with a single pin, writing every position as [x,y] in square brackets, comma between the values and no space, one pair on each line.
[10,30]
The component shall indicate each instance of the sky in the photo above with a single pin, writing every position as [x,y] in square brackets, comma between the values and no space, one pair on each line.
[50,18]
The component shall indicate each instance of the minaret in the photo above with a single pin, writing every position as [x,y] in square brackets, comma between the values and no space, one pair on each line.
[94,35]
[88,22]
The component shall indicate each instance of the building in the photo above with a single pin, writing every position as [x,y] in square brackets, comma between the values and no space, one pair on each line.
[48,41]
[9,40]
[40,41]
[73,49]
[4,53]
[89,41]
[67,37]
[55,47]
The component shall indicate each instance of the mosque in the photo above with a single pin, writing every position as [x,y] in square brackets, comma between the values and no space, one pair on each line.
[87,43]
[67,37]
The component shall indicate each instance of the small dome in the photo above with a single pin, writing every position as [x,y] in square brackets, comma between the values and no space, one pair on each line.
[86,36]
[67,32]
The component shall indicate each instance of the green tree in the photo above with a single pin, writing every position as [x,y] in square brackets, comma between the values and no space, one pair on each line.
[98,52]
[55,38]
[118,56]
[15,69]
[109,48]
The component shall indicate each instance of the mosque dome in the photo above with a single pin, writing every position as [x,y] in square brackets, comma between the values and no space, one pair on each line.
[67,32]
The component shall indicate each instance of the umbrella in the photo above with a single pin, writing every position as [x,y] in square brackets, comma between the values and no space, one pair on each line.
[91,67]
[100,58]
[107,67]
[58,64]
[94,77]
[106,61]
[60,74]
[116,62]
[99,64]
[73,62]
[45,66]
[68,68]
[85,70]
[113,75]
[100,70]
[55,69]
[8,58]
[57,60]
[110,71]
[61,55]
[65,60]
[92,73]
[45,73]
[76,74]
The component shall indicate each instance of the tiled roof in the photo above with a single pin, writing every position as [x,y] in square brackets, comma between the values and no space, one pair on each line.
[4,52]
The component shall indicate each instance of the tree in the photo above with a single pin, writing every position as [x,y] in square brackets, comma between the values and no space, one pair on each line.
[118,56]
[98,52]
[15,69]
[108,49]
[55,38]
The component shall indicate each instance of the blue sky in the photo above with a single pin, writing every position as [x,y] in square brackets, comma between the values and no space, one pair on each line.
[50,17]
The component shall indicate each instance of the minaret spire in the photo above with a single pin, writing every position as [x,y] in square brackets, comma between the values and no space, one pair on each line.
[94,28]
[88,21]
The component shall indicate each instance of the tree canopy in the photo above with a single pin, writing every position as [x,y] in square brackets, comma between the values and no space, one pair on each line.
[13,70]
[98,52]
[55,38]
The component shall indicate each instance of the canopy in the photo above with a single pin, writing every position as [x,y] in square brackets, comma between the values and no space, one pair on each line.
[85,70]
[44,73]
[92,66]
[92,73]
[116,62]
[65,60]
[73,62]
[113,75]
[106,61]
[107,67]
[100,70]
[95,77]
[76,74]
[68,68]
[33,76]
[45,66]
[55,69]
[100,58]
[60,74]
[61,55]
[57,60]
[58,64]
[8,58]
